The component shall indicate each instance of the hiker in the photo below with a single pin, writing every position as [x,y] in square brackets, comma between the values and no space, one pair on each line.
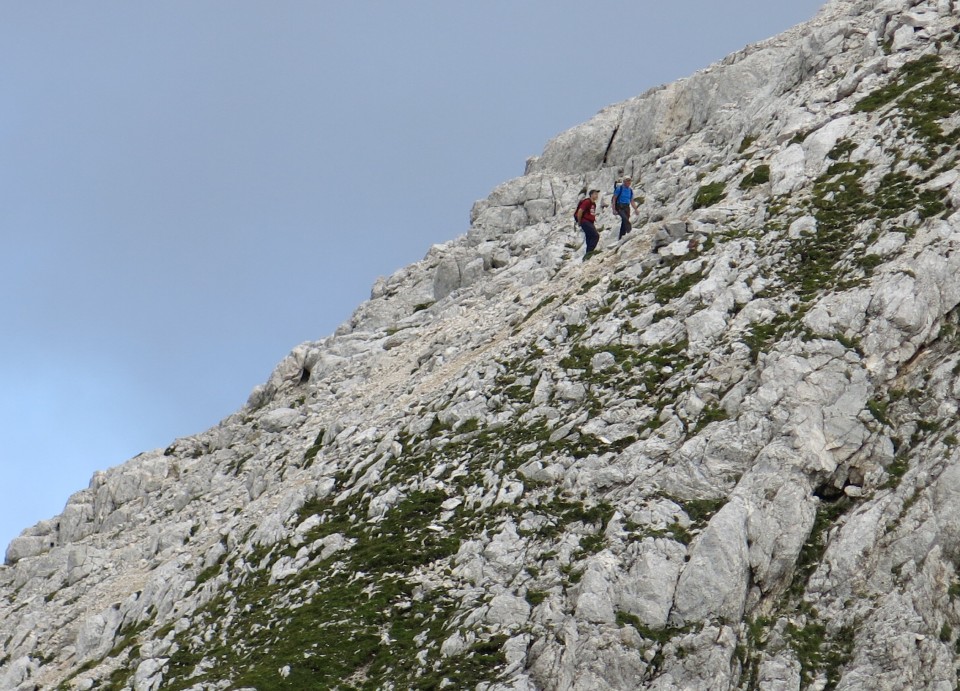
[623,204]
[586,215]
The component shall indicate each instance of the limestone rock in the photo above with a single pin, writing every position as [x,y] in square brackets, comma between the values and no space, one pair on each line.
[719,455]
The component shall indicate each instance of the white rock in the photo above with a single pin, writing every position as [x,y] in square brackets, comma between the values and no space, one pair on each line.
[602,361]
[803,226]
[787,169]
[714,581]
[280,419]
[508,611]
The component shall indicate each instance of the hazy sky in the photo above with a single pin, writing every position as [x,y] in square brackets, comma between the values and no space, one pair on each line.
[190,188]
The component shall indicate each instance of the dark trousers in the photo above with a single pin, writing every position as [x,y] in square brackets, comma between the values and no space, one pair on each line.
[591,234]
[623,211]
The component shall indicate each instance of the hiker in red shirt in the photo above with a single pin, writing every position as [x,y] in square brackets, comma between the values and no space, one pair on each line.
[586,215]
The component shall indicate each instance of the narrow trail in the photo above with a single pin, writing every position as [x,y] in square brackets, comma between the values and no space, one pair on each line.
[562,284]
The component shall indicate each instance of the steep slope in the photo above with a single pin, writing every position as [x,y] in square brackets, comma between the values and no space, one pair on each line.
[720,455]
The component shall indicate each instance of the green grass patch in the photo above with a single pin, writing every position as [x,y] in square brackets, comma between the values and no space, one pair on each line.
[543,303]
[879,411]
[895,471]
[758,176]
[761,336]
[327,622]
[710,413]
[665,292]
[311,454]
[818,652]
[911,75]
[812,551]
[708,195]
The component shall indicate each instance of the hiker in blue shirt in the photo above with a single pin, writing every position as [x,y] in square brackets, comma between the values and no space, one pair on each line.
[623,204]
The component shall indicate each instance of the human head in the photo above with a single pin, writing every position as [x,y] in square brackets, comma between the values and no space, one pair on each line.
[594,194]
[627,180]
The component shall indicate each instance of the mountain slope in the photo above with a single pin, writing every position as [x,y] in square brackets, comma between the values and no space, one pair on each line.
[720,455]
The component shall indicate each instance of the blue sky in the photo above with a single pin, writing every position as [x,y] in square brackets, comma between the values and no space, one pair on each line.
[192,188]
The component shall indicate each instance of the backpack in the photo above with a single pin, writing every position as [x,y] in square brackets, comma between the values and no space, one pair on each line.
[579,205]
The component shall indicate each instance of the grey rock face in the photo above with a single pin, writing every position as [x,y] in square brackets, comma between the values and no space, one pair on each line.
[722,454]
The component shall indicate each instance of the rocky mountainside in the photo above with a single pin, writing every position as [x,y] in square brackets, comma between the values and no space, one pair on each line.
[722,454]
